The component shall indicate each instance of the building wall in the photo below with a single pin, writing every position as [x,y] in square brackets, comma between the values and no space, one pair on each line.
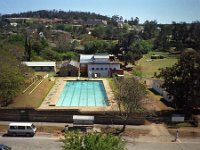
[68,70]
[43,68]
[83,69]
[102,70]
[156,85]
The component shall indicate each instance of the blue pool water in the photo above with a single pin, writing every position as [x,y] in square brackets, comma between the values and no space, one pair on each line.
[83,93]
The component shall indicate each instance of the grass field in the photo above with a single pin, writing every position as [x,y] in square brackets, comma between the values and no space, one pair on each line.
[149,68]
[36,97]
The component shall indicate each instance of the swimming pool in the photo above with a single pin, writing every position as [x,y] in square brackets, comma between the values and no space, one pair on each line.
[83,93]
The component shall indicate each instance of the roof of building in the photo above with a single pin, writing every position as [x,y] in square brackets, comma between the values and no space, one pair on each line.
[79,117]
[34,63]
[101,56]
[20,124]
[74,63]
[128,66]
[91,58]
[86,58]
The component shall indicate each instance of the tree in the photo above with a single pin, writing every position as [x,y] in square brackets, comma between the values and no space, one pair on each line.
[129,57]
[99,32]
[134,21]
[143,46]
[98,46]
[194,40]
[37,47]
[128,93]
[51,55]
[74,140]
[60,26]
[182,81]
[162,42]
[11,77]
[28,49]
[150,29]
[179,35]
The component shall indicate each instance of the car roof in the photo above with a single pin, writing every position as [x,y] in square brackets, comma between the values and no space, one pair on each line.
[3,145]
[20,124]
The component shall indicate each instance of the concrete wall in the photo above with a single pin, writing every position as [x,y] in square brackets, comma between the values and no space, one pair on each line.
[69,70]
[44,68]
[65,116]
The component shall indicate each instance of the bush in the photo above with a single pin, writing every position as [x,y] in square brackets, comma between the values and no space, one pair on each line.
[74,140]
[51,55]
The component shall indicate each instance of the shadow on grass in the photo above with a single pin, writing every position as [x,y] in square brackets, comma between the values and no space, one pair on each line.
[168,104]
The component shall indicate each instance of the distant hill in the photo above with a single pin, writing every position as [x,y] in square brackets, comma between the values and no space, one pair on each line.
[50,14]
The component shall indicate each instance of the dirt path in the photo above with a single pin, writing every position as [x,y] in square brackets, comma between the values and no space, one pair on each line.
[158,132]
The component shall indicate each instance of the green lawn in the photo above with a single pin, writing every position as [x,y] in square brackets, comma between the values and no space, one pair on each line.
[148,68]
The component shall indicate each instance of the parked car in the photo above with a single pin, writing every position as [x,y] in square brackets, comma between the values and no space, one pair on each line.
[18,128]
[4,147]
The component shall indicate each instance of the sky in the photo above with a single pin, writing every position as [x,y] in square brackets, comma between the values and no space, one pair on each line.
[164,11]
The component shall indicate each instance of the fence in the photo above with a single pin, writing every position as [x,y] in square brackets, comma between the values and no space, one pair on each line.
[65,116]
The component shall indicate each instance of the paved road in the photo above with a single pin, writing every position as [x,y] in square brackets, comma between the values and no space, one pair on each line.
[37,142]
[41,142]
[162,146]
[157,139]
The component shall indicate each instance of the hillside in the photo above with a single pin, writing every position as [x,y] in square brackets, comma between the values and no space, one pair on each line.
[50,14]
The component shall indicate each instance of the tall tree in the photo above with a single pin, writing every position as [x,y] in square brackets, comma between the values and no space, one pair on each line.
[179,35]
[182,81]
[134,21]
[194,39]
[150,30]
[128,93]
[11,77]
[28,48]
[162,42]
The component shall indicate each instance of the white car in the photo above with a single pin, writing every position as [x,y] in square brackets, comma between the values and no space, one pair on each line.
[19,128]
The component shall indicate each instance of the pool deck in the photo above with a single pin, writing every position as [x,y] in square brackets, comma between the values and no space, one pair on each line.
[54,94]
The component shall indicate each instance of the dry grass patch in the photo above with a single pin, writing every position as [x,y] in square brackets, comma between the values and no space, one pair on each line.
[155,100]
[36,97]
[127,132]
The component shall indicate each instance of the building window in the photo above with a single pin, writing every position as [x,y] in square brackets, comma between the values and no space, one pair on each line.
[92,68]
[97,68]
[106,68]
[101,68]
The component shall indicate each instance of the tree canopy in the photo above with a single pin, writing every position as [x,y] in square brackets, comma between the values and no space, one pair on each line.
[128,93]
[182,80]
[11,77]
[92,141]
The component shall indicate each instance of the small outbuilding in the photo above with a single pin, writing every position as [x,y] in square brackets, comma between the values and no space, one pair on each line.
[69,69]
[83,120]
[128,67]
[41,66]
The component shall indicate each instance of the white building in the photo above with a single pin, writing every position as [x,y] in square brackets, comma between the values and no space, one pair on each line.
[98,65]
[41,66]
[157,86]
